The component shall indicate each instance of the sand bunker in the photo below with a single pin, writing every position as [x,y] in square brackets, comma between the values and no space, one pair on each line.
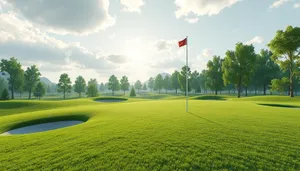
[42,127]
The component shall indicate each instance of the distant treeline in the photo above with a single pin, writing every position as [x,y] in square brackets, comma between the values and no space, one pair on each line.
[241,70]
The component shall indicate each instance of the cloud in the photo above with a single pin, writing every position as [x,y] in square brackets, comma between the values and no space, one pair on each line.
[162,45]
[132,5]
[29,44]
[65,17]
[256,39]
[207,52]
[119,59]
[201,7]
[192,20]
[279,3]
[297,5]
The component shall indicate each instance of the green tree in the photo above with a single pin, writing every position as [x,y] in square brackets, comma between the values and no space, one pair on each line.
[145,87]
[151,83]
[203,80]
[3,84]
[14,69]
[4,94]
[92,90]
[80,85]
[280,85]
[39,90]
[286,52]
[32,77]
[214,74]
[185,71]
[113,84]
[138,85]
[175,80]
[159,82]
[167,83]
[195,82]
[64,84]
[132,92]
[265,70]
[124,84]
[238,66]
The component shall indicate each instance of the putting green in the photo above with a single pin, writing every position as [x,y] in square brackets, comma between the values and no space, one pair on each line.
[231,134]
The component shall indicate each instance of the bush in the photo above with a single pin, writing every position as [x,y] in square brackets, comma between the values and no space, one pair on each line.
[5,95]
[132,92]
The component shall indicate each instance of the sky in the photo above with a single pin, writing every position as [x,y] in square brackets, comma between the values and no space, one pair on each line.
[136,38]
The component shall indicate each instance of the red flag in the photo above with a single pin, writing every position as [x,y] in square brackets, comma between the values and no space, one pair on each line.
[182,42]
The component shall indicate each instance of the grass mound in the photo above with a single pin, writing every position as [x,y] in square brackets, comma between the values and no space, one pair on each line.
[279,105]
[207,97]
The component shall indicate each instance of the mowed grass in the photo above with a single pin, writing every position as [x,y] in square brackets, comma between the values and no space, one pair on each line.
[155,135]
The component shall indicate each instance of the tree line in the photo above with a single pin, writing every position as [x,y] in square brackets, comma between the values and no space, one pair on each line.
[241,70]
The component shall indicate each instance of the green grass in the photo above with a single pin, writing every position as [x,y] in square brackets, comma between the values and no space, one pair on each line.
[138,134]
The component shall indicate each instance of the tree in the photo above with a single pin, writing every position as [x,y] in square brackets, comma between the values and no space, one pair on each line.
[113,84]
[145,87]
[151,83]
[124,84]
[92,90]
[102,87]
[280,84]
[238,66]
[195,82]
[4,94]
[175,80]
[13,68]
[39,90]
[138,85]
[159,82]
[185,71]
[64,84]
[286,49]
[214,74]
[3,84]
[167,83]
[132,92]
[80,85]
[265,70]
[32,77]
[203,80]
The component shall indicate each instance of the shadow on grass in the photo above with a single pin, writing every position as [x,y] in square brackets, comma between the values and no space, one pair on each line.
[109,99]
[279,105]
[210,98]
[204,118]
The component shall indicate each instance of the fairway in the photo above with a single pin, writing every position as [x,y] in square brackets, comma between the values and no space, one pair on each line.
[231,134]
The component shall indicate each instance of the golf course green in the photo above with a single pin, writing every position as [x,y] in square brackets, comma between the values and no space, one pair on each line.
[218,133]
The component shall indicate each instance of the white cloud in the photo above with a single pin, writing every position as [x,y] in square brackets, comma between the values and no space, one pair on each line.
[66,17]
[162,44]
[256,39]
[132,5]
[29,44]
[279,3]
[201,7]
[192,20]
[207,52]
[297,5]
[119,59]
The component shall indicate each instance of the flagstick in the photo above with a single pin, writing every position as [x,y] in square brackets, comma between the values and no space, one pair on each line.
[186,88]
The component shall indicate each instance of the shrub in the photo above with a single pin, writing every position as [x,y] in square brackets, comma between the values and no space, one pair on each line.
[132,92]
[5,95]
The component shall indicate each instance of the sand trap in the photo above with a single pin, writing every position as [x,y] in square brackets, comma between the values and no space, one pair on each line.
[42,127]
[110,100]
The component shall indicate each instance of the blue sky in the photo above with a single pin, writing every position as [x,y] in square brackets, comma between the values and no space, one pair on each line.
[137,38]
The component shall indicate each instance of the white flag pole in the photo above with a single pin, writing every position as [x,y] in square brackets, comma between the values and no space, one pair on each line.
[187,80]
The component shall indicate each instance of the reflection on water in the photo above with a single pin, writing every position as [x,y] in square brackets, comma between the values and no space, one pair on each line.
[42,127]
